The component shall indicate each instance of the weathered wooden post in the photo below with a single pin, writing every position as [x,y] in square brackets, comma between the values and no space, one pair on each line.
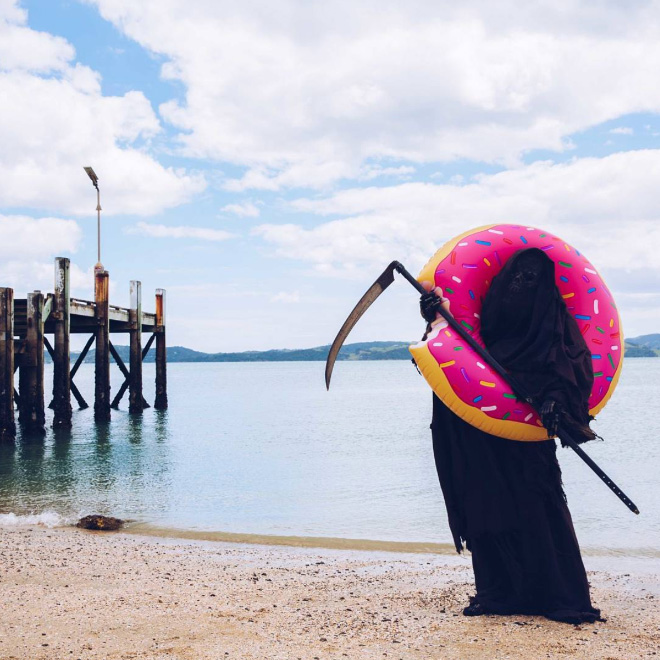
[62,353]
[161,353]
[102,366]
[7,424]
[31,374]
[135,399]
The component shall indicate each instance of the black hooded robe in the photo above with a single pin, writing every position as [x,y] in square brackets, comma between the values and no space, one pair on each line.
[504,498]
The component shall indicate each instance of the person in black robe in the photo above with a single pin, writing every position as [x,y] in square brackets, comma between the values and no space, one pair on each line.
[504,498]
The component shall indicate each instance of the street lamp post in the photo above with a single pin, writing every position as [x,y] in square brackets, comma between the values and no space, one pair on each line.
[95,181]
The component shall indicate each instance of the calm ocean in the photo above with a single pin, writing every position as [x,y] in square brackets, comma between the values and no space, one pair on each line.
[262,448]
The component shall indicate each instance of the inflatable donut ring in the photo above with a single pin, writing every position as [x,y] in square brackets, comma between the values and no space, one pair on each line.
[464,269]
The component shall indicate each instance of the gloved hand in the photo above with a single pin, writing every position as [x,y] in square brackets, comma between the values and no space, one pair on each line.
[550,416]
[429,304]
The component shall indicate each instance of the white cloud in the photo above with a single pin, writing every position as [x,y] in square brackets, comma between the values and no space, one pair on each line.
[607,207]
[164,231]
[243,210]
[370,172]
[54,119]
[37,237]
[303,94]
[28,247]
[622,130]
[289,297]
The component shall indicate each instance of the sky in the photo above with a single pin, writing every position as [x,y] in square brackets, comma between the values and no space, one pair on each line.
[264,161]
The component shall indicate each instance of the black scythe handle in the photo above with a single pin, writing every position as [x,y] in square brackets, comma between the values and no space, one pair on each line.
[520,393]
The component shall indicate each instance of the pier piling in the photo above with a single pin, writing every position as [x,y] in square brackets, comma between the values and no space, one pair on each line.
[61,314]
[161,352]
[7,424]
[102,375]
[31,372]
[24,326]
[135,398]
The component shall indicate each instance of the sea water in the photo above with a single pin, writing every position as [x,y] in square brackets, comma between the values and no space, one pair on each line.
[262,448]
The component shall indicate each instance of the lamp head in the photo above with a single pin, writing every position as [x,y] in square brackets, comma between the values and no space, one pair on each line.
[92,175]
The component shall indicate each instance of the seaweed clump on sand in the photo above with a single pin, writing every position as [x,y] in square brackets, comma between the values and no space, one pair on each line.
[100,523]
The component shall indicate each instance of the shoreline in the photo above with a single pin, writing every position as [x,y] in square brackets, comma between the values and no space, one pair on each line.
[72,593]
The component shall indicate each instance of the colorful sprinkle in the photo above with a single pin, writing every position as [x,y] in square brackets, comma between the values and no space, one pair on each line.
[477,399]
[611,323]
[486,383]
[448,290]
[488,408]
[467,325]
[602,332]
[453,258]
[595,306]
[598,374]
[586,279]
[568,295]
[456,279]
[585,328]
[565,264]
[539,422]
[608,378]
[486,262]
[463,244]
[471,294]
[495,231]
[589,270]
[497,256]
[583,317]
[523,239]
[448,333]
[596,357]
[467,378]
[506,415]
[447,364]
[483,242]
[508,241]
[593,288]
[611,359]
[568,248]
[469,265]
[481,366]
[529,417]
[596,341]
[506,395]
[438,344]
[458,348]
[563,278]
[614,348]
[548,247]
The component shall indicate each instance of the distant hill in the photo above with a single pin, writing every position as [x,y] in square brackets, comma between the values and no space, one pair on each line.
[643,346]
[652,341]
[373,350]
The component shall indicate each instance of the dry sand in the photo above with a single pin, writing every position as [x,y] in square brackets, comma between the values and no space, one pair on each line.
[68,593]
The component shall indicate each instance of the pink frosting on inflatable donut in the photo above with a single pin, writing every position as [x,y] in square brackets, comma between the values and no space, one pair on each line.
[465,275]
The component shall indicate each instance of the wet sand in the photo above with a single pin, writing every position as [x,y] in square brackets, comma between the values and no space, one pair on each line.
[67,593]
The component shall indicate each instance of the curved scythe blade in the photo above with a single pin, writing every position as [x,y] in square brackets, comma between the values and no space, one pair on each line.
[385,279]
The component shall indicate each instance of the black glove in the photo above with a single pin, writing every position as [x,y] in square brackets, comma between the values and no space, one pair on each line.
[429,304]
[550,416]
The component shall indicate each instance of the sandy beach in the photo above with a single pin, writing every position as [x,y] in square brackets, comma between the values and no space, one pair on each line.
[68,593]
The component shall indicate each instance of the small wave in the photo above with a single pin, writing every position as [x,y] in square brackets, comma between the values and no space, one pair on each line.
[45,519]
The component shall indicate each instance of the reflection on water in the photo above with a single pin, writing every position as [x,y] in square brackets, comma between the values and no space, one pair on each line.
[94,467]
[262,448]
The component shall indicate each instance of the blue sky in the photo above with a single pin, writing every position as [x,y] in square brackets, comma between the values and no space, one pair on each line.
[263,162]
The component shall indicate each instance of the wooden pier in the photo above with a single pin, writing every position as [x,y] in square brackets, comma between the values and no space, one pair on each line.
[24,326]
